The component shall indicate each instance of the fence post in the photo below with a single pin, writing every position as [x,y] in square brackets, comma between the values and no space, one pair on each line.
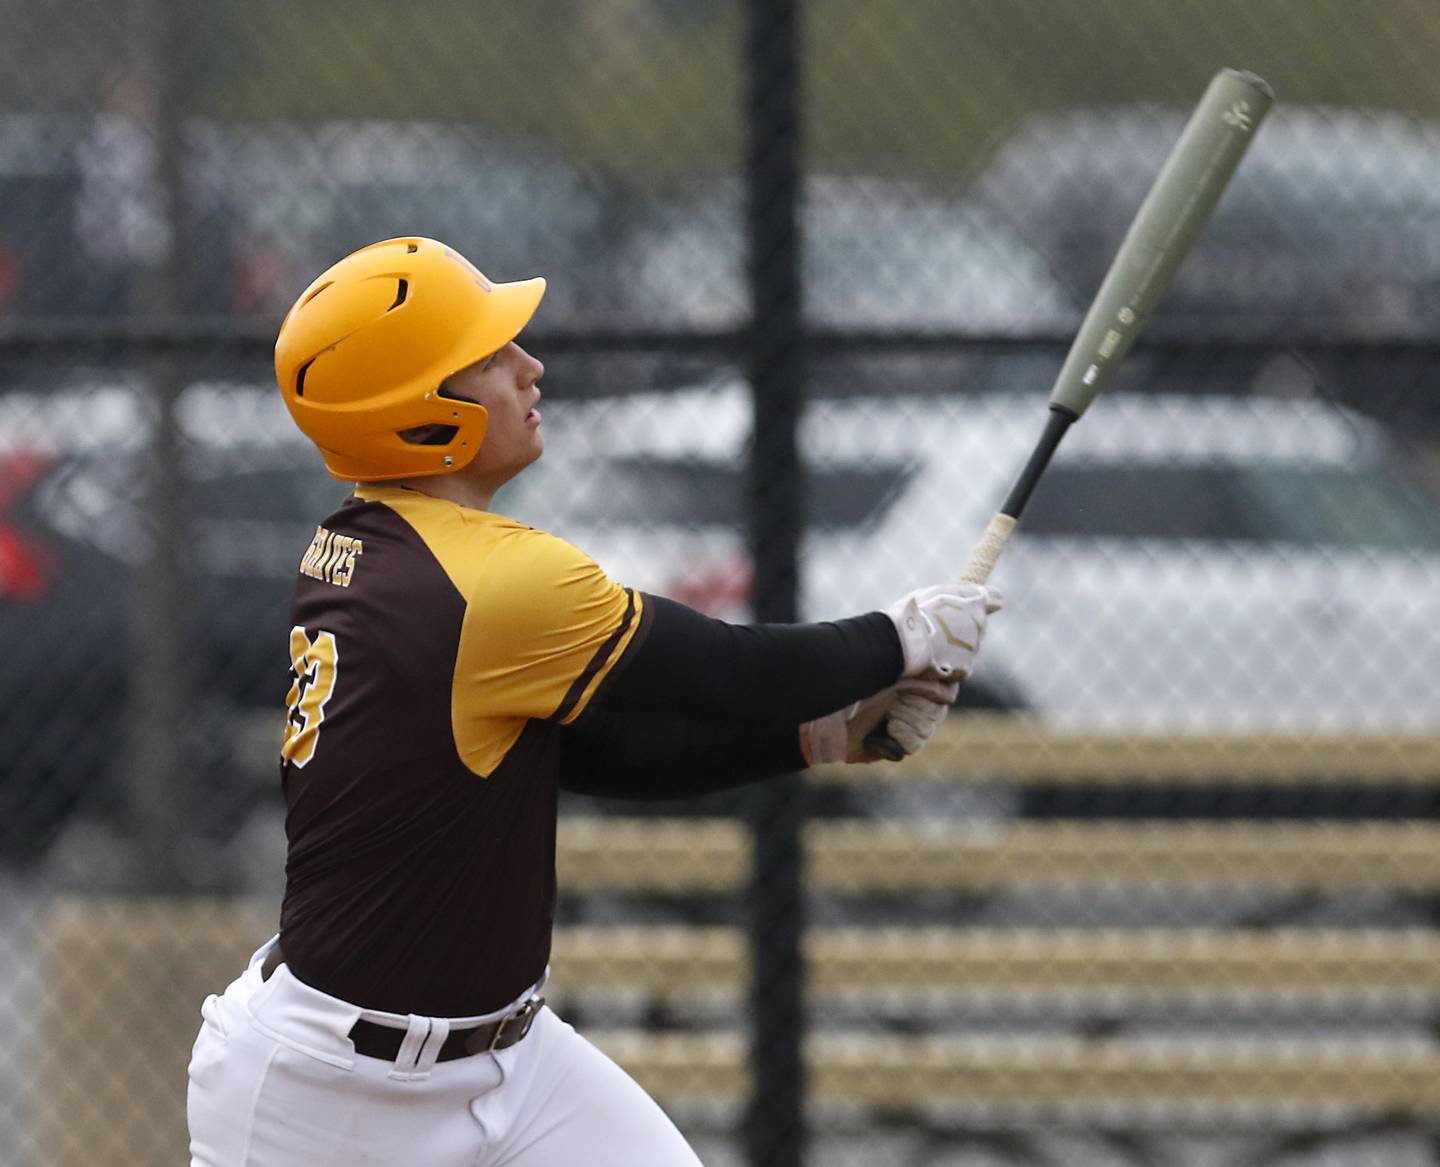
[775,1128]
[160,694]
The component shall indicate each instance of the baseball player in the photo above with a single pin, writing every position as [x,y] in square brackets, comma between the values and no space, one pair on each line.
[452,670]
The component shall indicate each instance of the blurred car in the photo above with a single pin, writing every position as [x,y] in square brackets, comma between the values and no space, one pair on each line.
[269,205]
[1328,227]
[73,528]
[1188,562]
[877,254]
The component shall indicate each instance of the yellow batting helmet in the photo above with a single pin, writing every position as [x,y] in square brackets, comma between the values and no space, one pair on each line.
[361,355]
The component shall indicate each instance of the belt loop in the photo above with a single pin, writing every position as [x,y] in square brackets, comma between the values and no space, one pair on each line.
[417,1035]
[430,1048]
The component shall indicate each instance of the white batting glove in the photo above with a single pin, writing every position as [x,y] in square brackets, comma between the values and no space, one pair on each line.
[941,628]
[914,707]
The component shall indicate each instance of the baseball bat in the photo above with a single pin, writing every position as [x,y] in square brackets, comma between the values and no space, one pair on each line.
[1178,205]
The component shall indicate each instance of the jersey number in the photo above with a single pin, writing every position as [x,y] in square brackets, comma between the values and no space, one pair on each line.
[314,662]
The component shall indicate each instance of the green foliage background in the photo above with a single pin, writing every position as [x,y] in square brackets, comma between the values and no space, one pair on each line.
[654,88]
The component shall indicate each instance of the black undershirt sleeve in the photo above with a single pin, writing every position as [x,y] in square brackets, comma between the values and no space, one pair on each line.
[701,705]
[693,667]
[615,756]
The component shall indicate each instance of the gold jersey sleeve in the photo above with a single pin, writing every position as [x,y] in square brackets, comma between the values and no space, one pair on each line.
[543,625]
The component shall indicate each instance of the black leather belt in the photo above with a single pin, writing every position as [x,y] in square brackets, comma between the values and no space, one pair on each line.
[383,1042]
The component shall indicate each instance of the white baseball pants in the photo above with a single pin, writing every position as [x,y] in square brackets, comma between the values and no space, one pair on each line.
[275,1082]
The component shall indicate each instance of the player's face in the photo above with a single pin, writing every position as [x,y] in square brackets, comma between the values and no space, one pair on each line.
[506,384]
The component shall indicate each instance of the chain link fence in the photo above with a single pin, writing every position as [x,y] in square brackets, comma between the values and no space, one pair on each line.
[1164,891]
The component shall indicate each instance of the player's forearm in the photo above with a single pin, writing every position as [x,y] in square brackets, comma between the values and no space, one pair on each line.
[616,756]
[775,675]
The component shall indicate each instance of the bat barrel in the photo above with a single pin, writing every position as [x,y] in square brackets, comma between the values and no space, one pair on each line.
[1179,203]
[1176,209]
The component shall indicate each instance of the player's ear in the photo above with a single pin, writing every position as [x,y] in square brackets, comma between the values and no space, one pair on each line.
[429,435]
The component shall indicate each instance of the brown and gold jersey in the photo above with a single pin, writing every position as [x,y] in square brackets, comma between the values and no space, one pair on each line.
[435,651]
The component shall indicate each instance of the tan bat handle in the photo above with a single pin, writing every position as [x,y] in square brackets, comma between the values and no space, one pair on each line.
[982,563]
[987,551]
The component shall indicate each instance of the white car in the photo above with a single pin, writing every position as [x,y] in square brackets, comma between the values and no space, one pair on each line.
[1187,562]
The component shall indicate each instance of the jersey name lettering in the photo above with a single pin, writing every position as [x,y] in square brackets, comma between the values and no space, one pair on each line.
[331,557]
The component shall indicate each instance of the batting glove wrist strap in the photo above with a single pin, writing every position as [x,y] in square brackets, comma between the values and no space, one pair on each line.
[823,740]
[941,628]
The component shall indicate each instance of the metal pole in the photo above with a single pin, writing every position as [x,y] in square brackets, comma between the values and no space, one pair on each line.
[161,699]
[775,1130]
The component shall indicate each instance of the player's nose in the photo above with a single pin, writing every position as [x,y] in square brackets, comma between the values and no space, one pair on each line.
[531,369]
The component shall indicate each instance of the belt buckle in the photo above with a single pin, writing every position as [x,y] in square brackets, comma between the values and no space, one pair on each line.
[525,1015]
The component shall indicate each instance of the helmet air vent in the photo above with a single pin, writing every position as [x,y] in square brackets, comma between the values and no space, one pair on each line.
[400,294]
[316,292]
[300,377]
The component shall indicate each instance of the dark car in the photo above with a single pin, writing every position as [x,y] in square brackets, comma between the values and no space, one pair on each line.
[73,534]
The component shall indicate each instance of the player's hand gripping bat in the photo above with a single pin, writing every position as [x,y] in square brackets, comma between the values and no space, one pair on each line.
[1179,203]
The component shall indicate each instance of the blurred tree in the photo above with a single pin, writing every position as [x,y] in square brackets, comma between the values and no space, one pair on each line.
[55,54]
[923,88]
[652,87]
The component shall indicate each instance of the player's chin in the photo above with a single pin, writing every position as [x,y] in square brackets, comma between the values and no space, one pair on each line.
[533,449]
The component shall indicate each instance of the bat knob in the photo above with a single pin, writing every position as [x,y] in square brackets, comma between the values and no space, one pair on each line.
[883,744]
